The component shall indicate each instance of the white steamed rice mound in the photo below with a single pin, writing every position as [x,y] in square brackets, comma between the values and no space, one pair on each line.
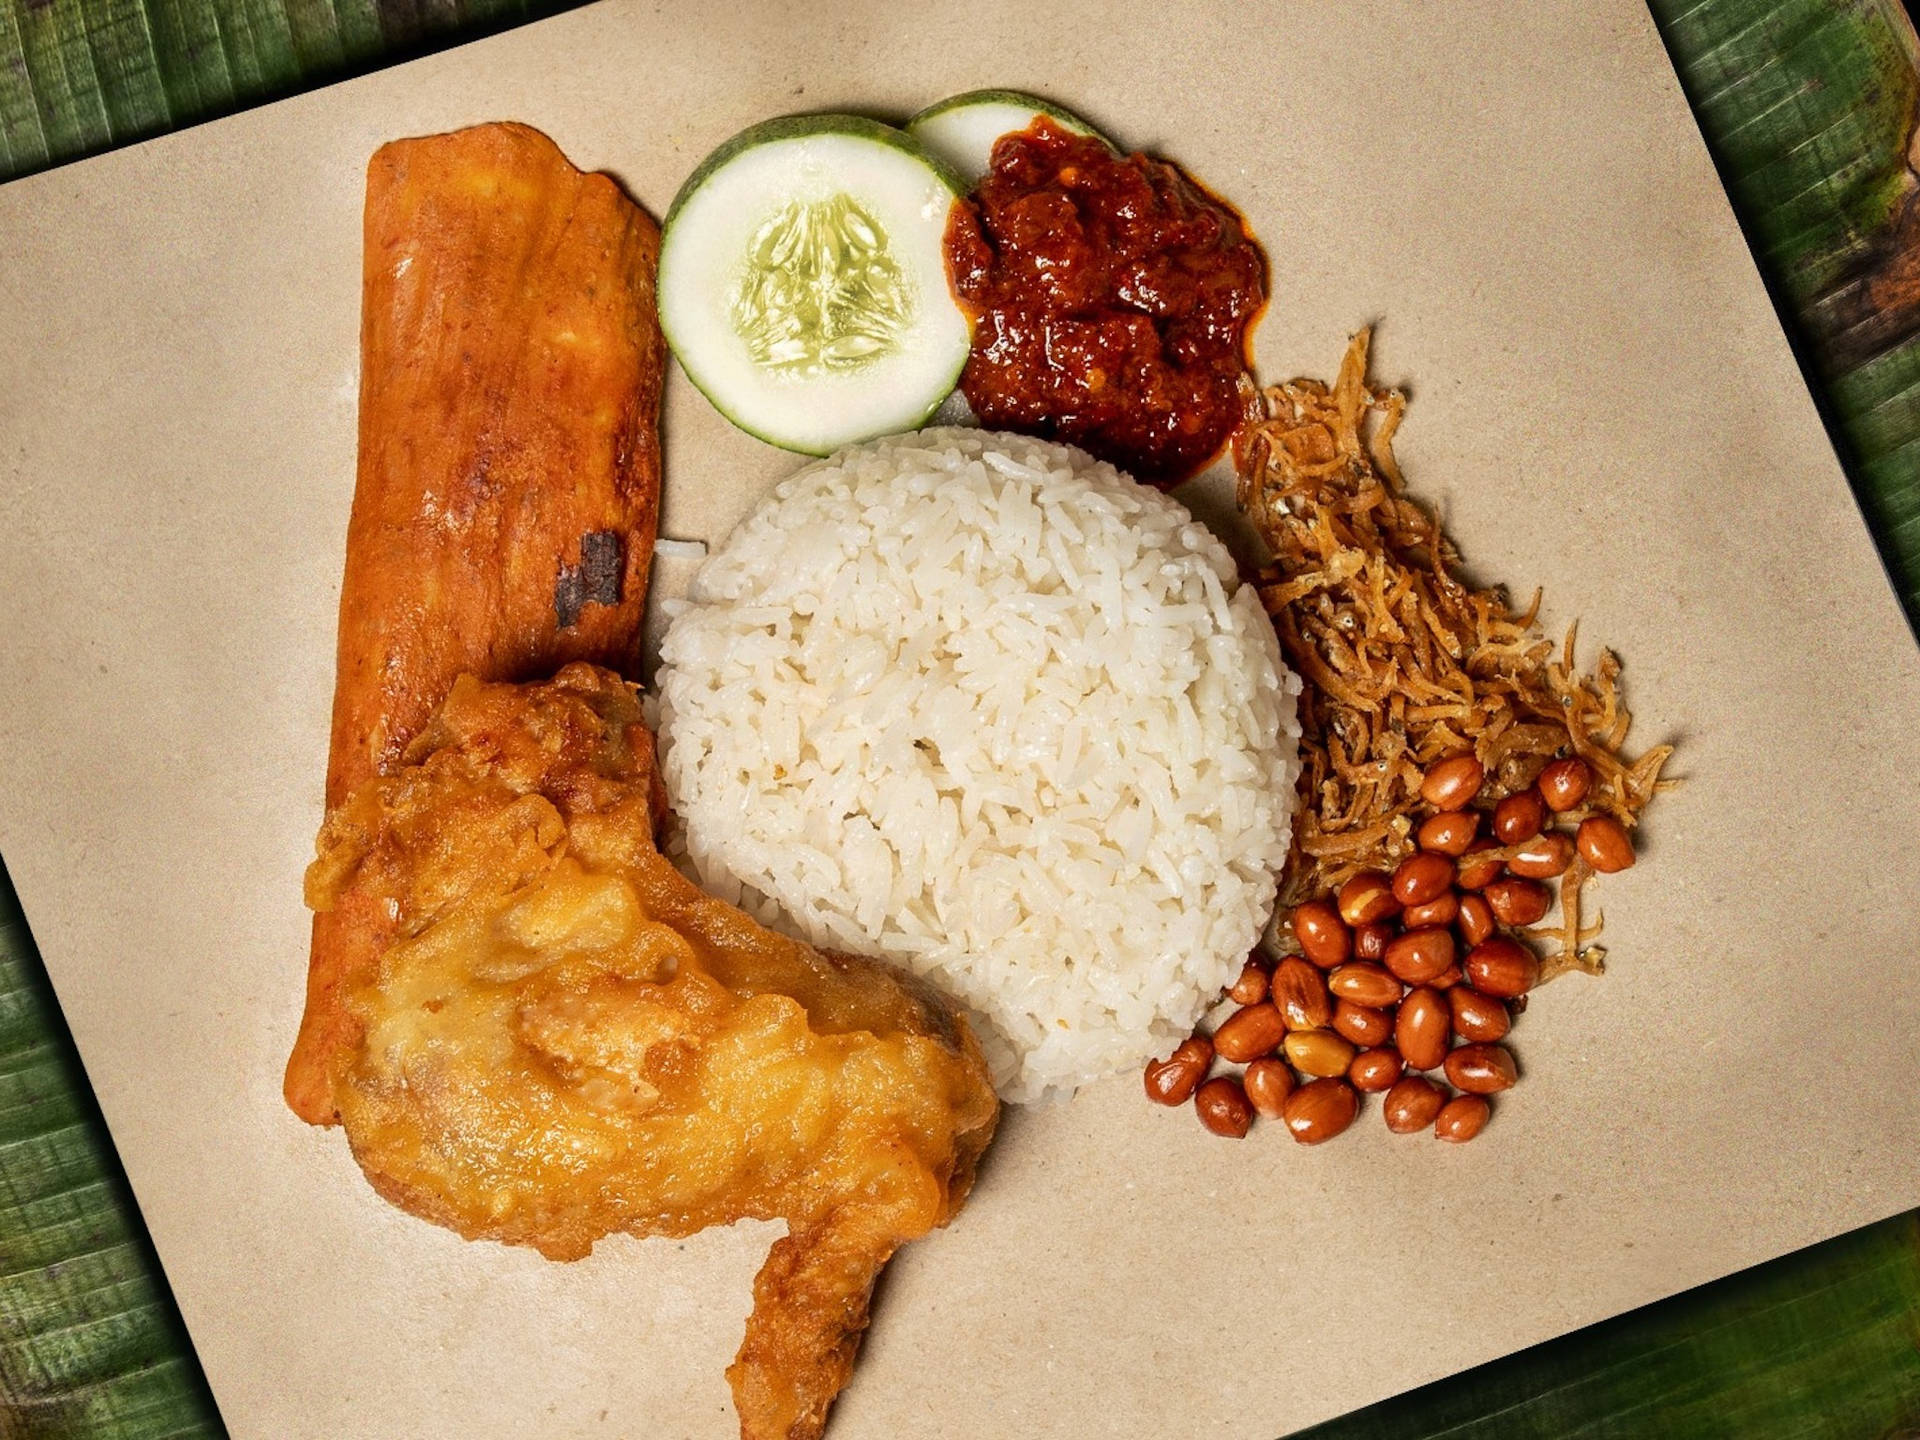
[989,708]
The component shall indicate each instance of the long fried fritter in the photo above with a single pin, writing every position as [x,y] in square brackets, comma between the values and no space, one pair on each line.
[509,470]
[566,1038]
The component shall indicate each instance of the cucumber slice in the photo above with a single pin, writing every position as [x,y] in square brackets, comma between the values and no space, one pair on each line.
[803,282]
[962,128]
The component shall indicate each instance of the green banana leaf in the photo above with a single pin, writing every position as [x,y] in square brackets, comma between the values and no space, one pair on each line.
[81,76]
[1825,1342]
[1809,108]
[90,1345]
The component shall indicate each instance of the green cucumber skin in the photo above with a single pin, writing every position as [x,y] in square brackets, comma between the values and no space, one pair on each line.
[798,127]
[1020,98]
[726,411]
[794,127]
[793,449]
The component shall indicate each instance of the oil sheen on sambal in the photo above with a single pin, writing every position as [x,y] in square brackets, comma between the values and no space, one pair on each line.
[1113,298]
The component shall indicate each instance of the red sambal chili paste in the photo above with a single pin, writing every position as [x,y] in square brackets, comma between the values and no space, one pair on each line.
[1113,298]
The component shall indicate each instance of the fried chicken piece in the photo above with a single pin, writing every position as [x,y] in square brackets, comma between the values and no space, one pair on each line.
[533,1029]
[561,1037]
[509,466]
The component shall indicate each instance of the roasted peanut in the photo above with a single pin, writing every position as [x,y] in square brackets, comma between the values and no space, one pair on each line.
[1519,817]
[1564,783]
[1320,1110]
[1448,833]
[1267,1082]
[1476,918]
[1478,1018]
[1543,857]
[1604,844]
[1482,1069]
[1502,967]
[1367,897]
[1300,994]
[1370,941]
[1462,1118]
[1422,876]
[1318,1052]
[1251,987]
[1361,1025]
[1518,902]
[1323,935]
[1443,911]
[1250,1033]
[1452,783]
[1173,1080]
[1374,1070]
[1412,1104]
[1478,868]
[1418,955]
[1364,983]
[1422,1029]
[1448,978]
[1223,1107]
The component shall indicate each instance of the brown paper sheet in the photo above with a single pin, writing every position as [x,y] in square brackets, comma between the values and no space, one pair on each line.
[1602,403]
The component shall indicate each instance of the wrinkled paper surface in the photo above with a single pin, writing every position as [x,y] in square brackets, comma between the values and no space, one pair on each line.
[1602,403]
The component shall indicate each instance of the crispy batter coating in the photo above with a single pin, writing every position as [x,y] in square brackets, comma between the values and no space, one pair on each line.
[533,1029]
[563,1038]
[509,465]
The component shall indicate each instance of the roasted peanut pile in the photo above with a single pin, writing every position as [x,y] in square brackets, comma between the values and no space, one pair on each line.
[1420,969]
[1454,763]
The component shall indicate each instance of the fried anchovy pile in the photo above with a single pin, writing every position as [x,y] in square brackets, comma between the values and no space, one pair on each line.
[1406,664]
